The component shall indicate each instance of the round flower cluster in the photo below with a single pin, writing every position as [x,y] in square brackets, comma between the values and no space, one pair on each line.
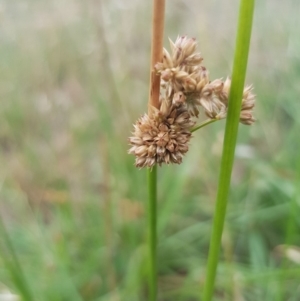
[181,70]
[162,136]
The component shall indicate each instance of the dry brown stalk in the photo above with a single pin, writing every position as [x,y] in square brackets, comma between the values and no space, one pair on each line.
[158,21]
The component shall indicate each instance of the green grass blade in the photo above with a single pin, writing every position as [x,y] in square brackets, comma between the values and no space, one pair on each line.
[14,267]
[235,98]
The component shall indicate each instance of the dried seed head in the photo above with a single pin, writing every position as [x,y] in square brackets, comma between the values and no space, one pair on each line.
[248,101]
[248,104]
[161,138]
[193,60]
[213,107]
[182,72]
[184,46]
[178,98]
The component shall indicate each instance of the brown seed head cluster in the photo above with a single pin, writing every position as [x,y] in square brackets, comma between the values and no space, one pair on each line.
[162,136]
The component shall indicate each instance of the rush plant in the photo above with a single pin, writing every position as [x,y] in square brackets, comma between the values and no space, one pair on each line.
[180,88]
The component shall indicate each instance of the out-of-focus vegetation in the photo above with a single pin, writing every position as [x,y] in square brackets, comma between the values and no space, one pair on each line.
[74,77]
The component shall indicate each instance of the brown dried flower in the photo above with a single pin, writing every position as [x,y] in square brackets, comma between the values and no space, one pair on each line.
[248,101]
[181,68]
[248,104]
[162,136]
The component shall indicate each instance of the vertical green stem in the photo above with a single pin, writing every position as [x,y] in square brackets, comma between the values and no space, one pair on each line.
[152,195]
[231,130]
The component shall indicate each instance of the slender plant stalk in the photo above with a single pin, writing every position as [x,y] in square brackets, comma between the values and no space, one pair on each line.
[156,56]
[203,124]
[152,237]
[231,130]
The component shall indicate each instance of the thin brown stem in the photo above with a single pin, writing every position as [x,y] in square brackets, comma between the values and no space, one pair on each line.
[158,19]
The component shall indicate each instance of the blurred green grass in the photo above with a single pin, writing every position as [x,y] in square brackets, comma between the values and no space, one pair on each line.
[74,77]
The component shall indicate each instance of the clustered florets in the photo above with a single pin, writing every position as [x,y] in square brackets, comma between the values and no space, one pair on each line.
[162,136]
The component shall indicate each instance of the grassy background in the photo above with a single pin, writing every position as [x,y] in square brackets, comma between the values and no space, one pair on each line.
[74,77]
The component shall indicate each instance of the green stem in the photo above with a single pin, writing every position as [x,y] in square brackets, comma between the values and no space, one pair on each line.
[201,125]
[152,199]
[231,130]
